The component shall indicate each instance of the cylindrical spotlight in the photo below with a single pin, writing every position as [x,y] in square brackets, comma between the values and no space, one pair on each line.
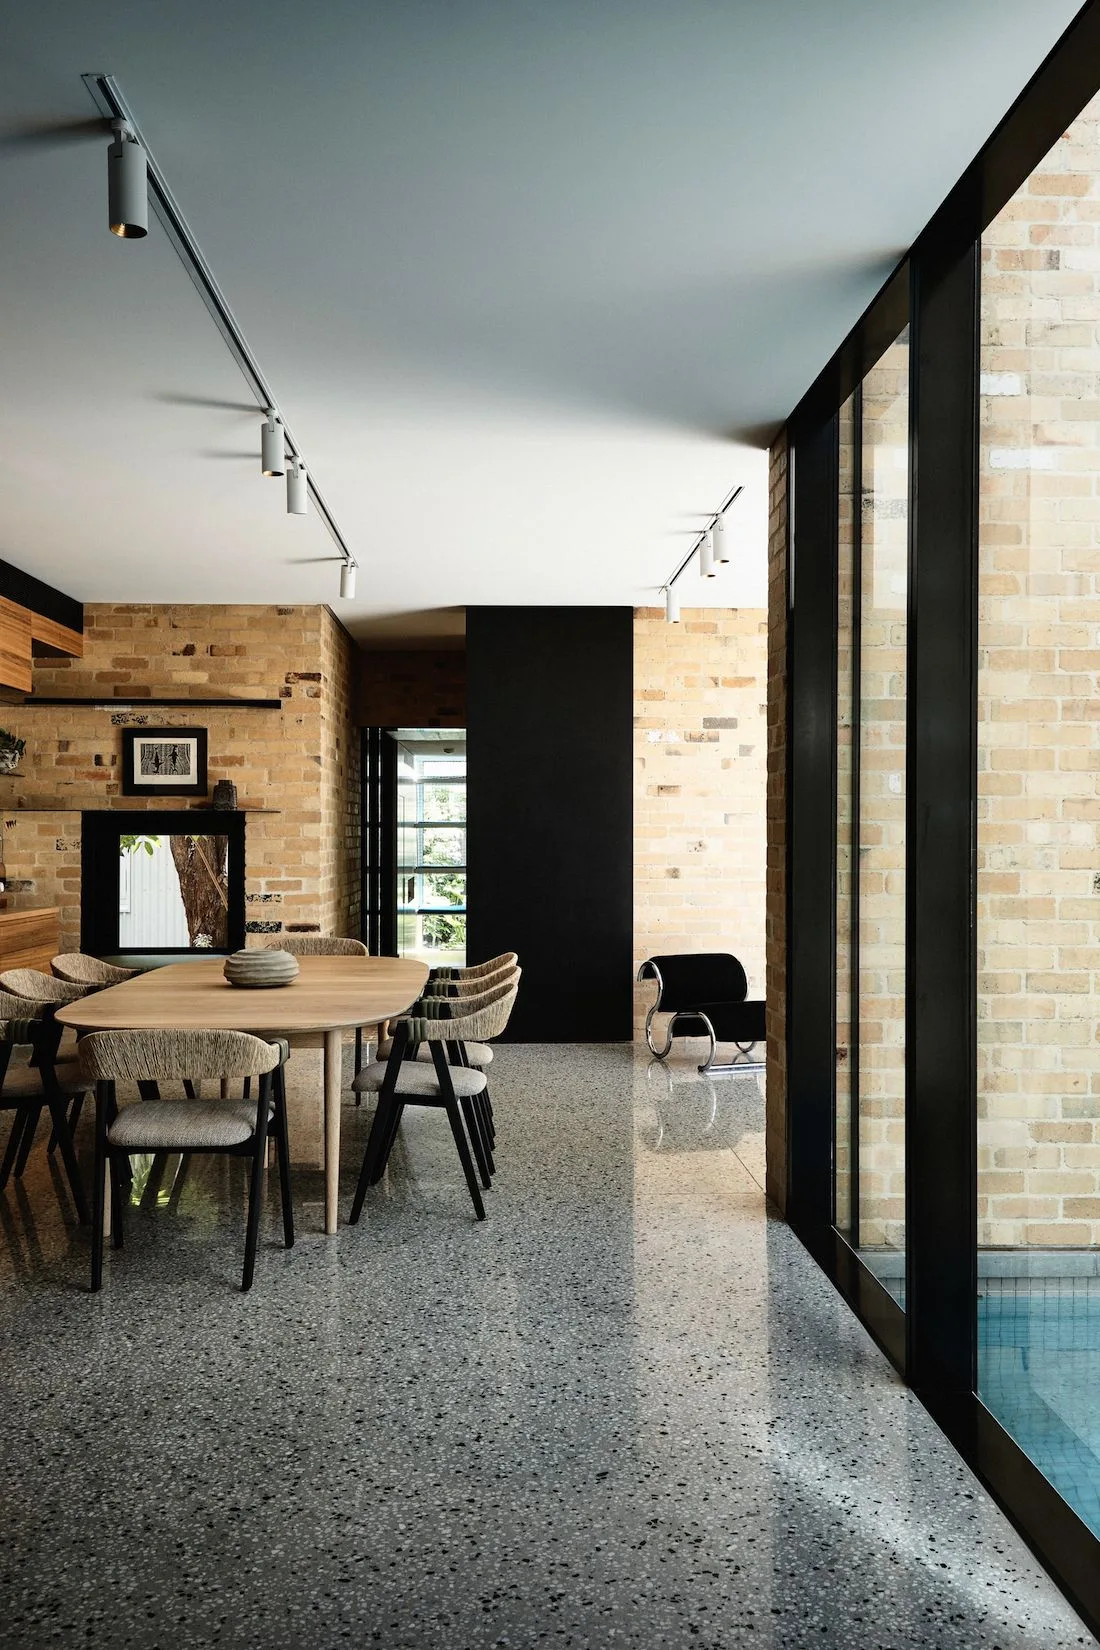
[706,555]
[721,543]
[127,188]
[297,489]
[347,581]
[272,457]
[672,605]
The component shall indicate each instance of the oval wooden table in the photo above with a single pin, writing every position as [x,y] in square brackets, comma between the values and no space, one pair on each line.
[331,995]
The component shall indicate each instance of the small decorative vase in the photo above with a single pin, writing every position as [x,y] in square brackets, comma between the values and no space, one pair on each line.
[9,759]
[225,794]
[260,970]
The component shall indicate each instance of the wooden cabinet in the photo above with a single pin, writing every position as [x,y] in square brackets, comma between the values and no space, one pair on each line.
[29,939]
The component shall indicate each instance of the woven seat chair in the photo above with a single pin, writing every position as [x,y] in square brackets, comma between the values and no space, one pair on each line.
[237,1128]
[444,1024]
[318,945]
[477,1054]
[476,971]
[78,968]
[36,987]
[325,945]
[26,1089]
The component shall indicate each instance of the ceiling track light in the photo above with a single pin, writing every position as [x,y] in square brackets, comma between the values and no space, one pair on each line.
[297,488]
[135,181]
[347,581]
[713,550]
[127,185]
[272,450]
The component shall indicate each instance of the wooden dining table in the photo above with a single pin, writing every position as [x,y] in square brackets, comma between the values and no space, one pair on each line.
[330,996]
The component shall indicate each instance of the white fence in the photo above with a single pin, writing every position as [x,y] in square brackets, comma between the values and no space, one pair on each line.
[150,907]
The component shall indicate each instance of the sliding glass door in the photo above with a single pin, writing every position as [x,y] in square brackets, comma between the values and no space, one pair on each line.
[1038,887]
[872,590]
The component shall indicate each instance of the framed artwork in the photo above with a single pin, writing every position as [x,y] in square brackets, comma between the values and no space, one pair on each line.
[164,762]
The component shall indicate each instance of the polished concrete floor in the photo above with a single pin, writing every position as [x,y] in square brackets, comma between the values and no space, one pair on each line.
[625,1411]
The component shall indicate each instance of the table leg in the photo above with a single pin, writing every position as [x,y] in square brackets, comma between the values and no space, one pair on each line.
[334,1082]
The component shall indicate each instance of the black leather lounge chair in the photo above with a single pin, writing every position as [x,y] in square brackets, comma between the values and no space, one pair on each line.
[705,992]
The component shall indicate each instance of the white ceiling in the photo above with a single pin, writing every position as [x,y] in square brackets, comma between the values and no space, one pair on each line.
[530,282]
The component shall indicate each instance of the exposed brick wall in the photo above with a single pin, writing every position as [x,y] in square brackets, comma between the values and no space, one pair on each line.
[700,753]
[341,789]
[776,912]
[1039,638]
[883,644]
[420,688]
[297,873]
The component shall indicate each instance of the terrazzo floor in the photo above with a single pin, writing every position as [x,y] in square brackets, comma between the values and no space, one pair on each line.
[626,1411]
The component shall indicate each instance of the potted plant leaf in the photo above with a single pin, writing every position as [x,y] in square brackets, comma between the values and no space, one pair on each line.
[11,750]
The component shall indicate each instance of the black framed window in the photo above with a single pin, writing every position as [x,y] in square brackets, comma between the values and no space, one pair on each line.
[943,1061]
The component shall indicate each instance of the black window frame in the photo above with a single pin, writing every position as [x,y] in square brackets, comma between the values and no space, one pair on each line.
[936,288]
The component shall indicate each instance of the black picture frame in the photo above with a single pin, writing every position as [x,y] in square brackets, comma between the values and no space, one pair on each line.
[192,783]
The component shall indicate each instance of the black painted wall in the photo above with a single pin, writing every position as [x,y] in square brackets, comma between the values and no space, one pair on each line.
[550,841]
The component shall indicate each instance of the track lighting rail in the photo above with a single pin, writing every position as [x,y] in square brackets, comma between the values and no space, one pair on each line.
[112,105]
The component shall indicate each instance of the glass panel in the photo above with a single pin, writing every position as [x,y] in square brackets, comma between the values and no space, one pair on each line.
[845,780]
[431,845]
[173,893]
[883,592]
[1038,811]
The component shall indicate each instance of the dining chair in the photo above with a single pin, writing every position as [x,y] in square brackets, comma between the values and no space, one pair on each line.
[444,1024]
[476,971]
[78,968]
[233,1127]
[36,987]
[26,1088]
[478,1054]
[324,945]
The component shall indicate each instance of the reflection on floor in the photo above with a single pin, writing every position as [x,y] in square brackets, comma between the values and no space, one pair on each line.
[628,1410]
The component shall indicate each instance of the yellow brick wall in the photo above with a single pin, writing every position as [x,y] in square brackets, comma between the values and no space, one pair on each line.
[1039,709]
[297,761]
[700,754]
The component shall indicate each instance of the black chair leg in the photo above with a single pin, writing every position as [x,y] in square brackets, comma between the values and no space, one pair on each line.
[30,1129]
[117,1199]
[256,1183]
[18,1125]
[358,1056]
[74,1118]
[387,1137]
[473,1129]
[454,1118]
[98,1183]
[68,1156]
[282,1147]
[486,1130]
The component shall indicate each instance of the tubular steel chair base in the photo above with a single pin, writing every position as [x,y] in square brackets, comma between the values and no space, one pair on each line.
[704,994]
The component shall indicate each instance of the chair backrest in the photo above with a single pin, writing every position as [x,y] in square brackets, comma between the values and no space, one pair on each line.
[78,968]
[463,1019]
[36,987]
[22,1021]
[478,971]
[687,978]
[318,945]
[134,1056]
[468,988]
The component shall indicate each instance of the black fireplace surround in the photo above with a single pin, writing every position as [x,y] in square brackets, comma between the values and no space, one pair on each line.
[100,859]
